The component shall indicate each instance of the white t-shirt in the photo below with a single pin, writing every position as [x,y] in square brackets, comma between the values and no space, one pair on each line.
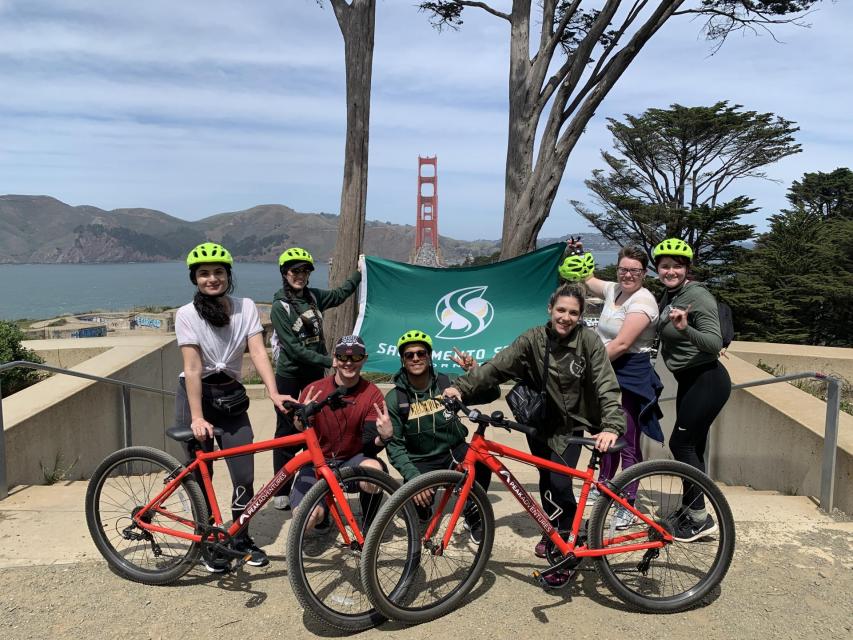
[613,316]
[221,348]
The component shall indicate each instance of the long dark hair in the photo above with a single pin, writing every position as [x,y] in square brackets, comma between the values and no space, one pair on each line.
[211,308]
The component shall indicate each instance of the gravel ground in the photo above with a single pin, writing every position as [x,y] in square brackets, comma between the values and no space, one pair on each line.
[782,585]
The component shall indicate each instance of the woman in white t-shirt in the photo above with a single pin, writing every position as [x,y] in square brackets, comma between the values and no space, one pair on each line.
[213,332]
[627,328]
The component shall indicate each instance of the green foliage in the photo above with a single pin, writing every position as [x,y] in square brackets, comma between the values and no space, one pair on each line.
[796,286]
[59,471]
[669,174]
[11,349]
[816,388]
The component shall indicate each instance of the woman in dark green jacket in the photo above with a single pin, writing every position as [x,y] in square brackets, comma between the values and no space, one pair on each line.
[299,344]
[582,393]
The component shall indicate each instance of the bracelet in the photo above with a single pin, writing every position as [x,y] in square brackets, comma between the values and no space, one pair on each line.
[385,440]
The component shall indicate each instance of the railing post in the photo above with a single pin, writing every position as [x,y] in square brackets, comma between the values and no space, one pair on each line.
[830,443]
[126,420]
[4,478]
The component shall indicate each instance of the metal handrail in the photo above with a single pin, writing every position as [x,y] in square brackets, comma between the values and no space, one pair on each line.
[127,427]
[830,430]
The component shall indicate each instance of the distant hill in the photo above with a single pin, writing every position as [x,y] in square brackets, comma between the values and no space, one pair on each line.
[41,229]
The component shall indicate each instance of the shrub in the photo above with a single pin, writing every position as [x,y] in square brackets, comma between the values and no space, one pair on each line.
[16,379]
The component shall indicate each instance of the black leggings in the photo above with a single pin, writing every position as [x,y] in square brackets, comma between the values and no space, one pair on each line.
[702,392]
[236,431]
[284,427]
[555,489]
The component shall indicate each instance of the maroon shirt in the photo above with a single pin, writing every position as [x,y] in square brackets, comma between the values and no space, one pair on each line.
[340,430]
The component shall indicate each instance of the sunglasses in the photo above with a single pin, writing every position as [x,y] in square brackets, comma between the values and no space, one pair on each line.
[304,271]
[350,357]
[411,355]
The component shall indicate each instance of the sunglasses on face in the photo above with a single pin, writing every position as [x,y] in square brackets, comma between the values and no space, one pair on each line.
[350,357]
[304,271]
[411,355]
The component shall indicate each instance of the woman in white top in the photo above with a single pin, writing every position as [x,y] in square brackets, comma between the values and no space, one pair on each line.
[213,332]
[627,328]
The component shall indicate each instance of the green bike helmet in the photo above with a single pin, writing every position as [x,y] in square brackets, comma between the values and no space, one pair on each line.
[414,335]
[576,268]
[209,253]
[293,256]
[672,247]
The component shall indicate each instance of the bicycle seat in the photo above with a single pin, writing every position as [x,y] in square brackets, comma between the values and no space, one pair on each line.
[185,434]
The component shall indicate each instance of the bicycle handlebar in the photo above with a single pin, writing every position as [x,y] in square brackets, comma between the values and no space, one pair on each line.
[496,419]
[309,409]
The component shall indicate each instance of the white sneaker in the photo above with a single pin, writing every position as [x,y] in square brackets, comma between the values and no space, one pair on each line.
[282,503]
[623,519]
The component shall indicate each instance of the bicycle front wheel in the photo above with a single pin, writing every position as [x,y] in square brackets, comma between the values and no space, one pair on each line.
[121,486]
[323,566]
[444,575]
[686,503]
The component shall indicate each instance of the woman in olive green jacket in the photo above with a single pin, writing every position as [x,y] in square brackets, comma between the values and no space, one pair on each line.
[582,391]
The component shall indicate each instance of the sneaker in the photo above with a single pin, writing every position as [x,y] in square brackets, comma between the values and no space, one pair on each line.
[541,548]
[257,557]
[623,519]
[475,529]
[561,577]
[685,529]
[282,503]
[218,565]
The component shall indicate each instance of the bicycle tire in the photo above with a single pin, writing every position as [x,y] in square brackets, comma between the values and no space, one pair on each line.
[683,573]
[406,606]
[327,584]
[126,481]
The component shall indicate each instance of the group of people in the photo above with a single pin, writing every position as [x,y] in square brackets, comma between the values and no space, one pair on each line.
[601,380]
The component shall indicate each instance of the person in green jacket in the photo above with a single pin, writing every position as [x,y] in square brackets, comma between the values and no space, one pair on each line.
[582,392]
[426,436]
[299,346]
[690,344]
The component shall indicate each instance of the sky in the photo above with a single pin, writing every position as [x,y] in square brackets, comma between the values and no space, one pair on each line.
[201,107]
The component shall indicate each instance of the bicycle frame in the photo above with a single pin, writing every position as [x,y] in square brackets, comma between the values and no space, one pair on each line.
[312,455]
[484,451]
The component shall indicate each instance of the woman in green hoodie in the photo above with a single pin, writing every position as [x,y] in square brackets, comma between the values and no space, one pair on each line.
[299,347]
[690,343]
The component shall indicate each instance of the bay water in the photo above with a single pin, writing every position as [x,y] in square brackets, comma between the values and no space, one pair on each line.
[41,291]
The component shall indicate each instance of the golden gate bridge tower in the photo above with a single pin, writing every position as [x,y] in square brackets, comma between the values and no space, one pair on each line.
[426,251]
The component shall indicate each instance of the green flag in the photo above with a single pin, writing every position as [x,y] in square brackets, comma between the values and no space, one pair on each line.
[478,310]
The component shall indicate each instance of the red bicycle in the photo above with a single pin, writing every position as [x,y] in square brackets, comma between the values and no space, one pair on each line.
[150,520]
[636,532]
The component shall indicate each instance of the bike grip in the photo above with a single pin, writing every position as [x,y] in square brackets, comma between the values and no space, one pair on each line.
[523,428]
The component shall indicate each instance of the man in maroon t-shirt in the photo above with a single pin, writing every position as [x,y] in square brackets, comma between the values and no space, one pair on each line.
[347,434]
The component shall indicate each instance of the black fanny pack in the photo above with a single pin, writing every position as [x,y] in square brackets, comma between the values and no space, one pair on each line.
[230,398]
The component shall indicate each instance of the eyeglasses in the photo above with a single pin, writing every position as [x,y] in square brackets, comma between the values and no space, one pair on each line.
[411,355]
[350,357]
[304,271]
[622,271]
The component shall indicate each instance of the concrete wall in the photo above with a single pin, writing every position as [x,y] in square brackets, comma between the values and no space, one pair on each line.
[768,437]
[794,358]
[82,420]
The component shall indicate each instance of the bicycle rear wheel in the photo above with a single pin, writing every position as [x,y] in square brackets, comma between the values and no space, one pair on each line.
[323,567]
[444,576]
[681,573]
[122,484]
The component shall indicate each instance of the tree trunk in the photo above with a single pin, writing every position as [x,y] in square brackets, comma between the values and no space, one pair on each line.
[357,21]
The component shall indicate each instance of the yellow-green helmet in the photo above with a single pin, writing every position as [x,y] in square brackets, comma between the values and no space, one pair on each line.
[672,247]
[295,254]
[576,268]
[209,253]
[414,335]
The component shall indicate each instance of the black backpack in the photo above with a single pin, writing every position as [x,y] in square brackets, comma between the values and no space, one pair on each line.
[403,398]
[727,325]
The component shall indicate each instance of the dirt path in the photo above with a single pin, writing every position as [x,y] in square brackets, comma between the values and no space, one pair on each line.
[782,584]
